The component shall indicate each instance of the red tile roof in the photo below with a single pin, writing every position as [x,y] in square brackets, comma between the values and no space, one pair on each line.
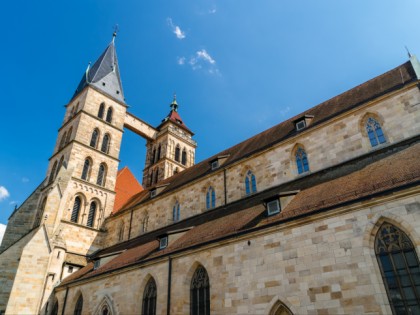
[385,83]
[126,187]
[381,172]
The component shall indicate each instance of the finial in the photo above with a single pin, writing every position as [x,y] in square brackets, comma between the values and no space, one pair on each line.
[174,104]
[408,52]
[116,29]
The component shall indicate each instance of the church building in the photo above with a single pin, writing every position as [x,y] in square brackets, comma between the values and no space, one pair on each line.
[319,214]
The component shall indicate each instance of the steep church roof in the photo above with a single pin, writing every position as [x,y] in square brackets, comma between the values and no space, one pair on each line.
[174,117]
[126,187]
[104,74]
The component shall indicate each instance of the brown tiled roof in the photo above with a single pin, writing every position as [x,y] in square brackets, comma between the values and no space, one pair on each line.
[385,83]
[126,187]
[381,172]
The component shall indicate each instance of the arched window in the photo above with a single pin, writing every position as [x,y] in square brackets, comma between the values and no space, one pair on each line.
[52,174]
[105,310]
[154,156]
[176,211]
[400,269]
[79,306]
[145,224]
[149,298]
[301,161]
[200,292]
[94,138]
[280,309]
[105,144]
[121,233]
[101,175]
[158,152]
[210,198]
[63,140]
[92,212]
[55,309]
[86,169]
[109,115]
[374,131]
[177,153]
[250,183]
[184,157]
[101,110]
[69,134]
[76,209]
[151,178]
[156,175]
[40,212]
[59,165]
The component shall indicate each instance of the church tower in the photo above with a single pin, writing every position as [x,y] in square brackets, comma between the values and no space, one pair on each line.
[51,233]
[172,150]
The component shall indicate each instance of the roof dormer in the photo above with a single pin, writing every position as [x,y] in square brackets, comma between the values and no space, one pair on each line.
[218,161]
[303,122]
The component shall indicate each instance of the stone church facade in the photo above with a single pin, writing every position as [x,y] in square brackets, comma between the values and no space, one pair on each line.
[319,214]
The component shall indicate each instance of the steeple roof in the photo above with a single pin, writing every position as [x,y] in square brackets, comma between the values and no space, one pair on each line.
[175,117]
[104,74]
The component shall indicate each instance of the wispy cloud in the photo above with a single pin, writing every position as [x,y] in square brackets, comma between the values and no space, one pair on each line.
[13,202]
[212,10]
[180,34]
[25,180]
[201,60]
[181,60]
[3,193]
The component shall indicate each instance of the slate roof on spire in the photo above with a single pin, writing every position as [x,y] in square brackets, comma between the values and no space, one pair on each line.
[175,117]
[104,75]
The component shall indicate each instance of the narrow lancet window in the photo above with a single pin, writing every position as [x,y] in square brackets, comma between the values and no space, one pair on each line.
[109,115]
[176,212]
[86,169]
[105,144]
[210,198]
[374,131]
[94,138]
[200,292]
[101,175]
[78,309]
[76,209]
[301,161]
[149,298]
[101,110]
[92,213]
[250,183]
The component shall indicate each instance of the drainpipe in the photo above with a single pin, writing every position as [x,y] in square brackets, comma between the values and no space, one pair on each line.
[168,304]
[65,301]
[129,228]
[224,181]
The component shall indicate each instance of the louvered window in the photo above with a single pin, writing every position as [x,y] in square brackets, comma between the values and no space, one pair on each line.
[184,157]
[101,175]
[76,209]
[94,138]
[101,110]
[177,153]
[109,115]
[86,168]
[91,216]
[105,144]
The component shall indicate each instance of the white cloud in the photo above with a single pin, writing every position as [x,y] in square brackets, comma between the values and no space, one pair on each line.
[203,60]
[212,11]
[203,54]
[25,180]
[3,193]
[2,230]
[176,29]
[181,60]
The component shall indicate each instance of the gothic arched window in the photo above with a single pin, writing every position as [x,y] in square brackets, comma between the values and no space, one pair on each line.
[86,169]
[59,165]
[101,110]
[101,175]
[280,309]
[156,175]
[109,115]
[76,209]
[121,233]
[177,153]
[69,134]
[52,174]
[149,298]
[200,292]
[158,152]
[184,157]
[154,156]
[91,215]
[250,183]
[210,198]
[40,212]
[176,212]
[94,138]
[400,269]
[105,144]
[63,140]
[55,309]
[145,224]
[79,306]
[105,310]
[374,131]
[301,161]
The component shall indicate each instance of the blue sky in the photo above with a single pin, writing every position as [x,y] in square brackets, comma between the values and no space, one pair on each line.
[238,67]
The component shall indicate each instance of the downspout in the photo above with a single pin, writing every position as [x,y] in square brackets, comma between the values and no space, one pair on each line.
[129,228]
[65,301]
[168,304]
[224,181]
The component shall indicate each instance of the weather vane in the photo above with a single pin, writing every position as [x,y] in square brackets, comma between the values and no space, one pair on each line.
[116,30]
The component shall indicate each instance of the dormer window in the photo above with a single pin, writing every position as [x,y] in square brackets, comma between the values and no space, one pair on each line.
[163,242]
[96,264]
[303,122]
[300,125]
[273,207]
[214,164]
[218,161]
[153,193]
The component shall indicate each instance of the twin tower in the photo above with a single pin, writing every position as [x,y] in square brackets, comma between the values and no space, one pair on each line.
[61,220]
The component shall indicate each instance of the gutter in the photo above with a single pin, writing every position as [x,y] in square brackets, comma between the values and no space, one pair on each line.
[168,302]
[65,301]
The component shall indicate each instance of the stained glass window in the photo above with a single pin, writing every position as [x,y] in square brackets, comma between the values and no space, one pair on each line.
[302,161]
[374,131]
[250,183]
[210,198]
[200,292]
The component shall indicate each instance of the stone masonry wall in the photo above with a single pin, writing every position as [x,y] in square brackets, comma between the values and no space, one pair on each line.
[322,264]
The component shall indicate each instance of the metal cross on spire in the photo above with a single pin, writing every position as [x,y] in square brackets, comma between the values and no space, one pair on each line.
[116,30]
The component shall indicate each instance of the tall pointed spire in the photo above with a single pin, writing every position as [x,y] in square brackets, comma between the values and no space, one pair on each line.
[104,74]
